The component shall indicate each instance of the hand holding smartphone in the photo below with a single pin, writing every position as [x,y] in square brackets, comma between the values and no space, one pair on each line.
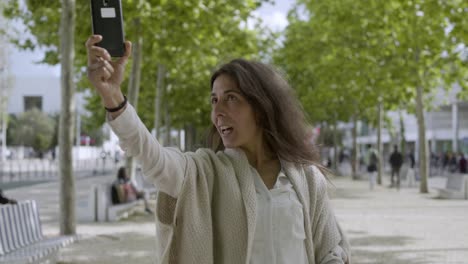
[108,22]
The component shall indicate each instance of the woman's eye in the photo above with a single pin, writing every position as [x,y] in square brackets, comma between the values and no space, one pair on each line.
[231,97]
[214,100]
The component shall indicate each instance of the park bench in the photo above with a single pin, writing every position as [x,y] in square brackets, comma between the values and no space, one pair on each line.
[455,188]
[98,206]
[21,238]
[115,212]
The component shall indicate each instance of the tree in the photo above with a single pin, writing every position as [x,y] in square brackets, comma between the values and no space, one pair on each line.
[425,50]
[340,80]
[6,83]
[189,39]
[32,128]
[67,124]
[361,52]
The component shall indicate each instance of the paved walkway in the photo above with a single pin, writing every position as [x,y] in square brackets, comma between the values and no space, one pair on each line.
[383,225]
[401,227]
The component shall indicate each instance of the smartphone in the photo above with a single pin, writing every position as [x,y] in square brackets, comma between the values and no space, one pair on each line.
[108,22]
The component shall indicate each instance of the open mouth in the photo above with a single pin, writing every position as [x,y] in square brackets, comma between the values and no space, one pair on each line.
[225,130]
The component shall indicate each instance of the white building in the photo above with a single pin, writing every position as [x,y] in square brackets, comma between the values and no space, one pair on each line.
[446,126]
[42,92]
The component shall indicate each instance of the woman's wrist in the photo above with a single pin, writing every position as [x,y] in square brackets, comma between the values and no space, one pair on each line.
[113,101]
[115,104]
[119,107]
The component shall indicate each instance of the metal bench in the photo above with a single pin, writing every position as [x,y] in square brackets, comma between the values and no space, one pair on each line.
[21,238]
[456,187]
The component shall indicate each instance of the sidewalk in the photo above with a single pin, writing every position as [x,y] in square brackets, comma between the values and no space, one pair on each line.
[128,241]
[383,226]
[401,227]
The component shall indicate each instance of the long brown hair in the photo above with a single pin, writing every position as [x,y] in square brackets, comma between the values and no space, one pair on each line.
[278,111]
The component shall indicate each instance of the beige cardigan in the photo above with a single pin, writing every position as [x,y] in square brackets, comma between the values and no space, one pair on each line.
[213,218]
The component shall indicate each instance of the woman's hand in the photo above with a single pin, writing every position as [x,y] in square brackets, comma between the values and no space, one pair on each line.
[104,74]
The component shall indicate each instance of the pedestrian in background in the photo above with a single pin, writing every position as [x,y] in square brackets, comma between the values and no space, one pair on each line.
[411,174]
[257,195]
[396,160]
[372,165]
[412,160]
[462,164]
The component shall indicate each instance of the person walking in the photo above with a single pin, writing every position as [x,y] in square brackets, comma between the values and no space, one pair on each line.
[256,195]
[396,160]
[462,164]
[372,163]
[411,174]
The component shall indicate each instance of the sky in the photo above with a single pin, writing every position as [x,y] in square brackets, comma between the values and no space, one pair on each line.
[22,63]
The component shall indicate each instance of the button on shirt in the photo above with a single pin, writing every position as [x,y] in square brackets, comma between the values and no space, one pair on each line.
[279,232]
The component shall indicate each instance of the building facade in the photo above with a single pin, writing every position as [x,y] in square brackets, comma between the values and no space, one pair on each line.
[41,92]
[446,127]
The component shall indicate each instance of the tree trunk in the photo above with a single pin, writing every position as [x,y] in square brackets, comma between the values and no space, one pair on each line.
[179,135]
[6,85]
[190,135]
[335,148]
[379,142]
[455,126]
[167,121]
[355,151]
[3,129]
[423,146]
[157,101]
[67,124]
[134,84]
[402,135]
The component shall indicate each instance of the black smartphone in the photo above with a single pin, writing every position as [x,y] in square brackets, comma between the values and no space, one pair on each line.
[108,22]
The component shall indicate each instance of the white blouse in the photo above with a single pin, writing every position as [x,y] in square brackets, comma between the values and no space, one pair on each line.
[279,232]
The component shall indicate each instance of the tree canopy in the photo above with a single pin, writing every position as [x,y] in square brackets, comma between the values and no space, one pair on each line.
[343,55]
[32,128]
[190,38]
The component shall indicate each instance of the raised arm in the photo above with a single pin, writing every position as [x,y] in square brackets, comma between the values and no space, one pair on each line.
[166,167]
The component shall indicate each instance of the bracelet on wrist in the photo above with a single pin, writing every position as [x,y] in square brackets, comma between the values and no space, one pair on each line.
[119,107]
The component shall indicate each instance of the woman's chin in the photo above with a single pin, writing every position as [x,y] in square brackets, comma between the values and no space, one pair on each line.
[229,144]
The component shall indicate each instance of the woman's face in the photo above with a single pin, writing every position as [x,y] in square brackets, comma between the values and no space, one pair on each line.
[232,115]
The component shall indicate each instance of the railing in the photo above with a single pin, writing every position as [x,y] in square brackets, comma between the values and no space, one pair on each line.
[47,169]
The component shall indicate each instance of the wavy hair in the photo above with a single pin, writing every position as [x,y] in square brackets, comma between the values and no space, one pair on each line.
[277,109]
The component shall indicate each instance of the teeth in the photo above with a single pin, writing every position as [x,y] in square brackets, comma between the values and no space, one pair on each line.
[224,129]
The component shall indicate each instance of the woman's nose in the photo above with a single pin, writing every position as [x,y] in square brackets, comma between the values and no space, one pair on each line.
[219,109]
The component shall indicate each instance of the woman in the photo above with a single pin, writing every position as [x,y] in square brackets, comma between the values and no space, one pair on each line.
[258,199]
[129,192]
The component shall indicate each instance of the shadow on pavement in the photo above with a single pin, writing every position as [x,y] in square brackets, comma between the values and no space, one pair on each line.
[343,193]
[390,250]
[390,257]
[379,241]
[129,247]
